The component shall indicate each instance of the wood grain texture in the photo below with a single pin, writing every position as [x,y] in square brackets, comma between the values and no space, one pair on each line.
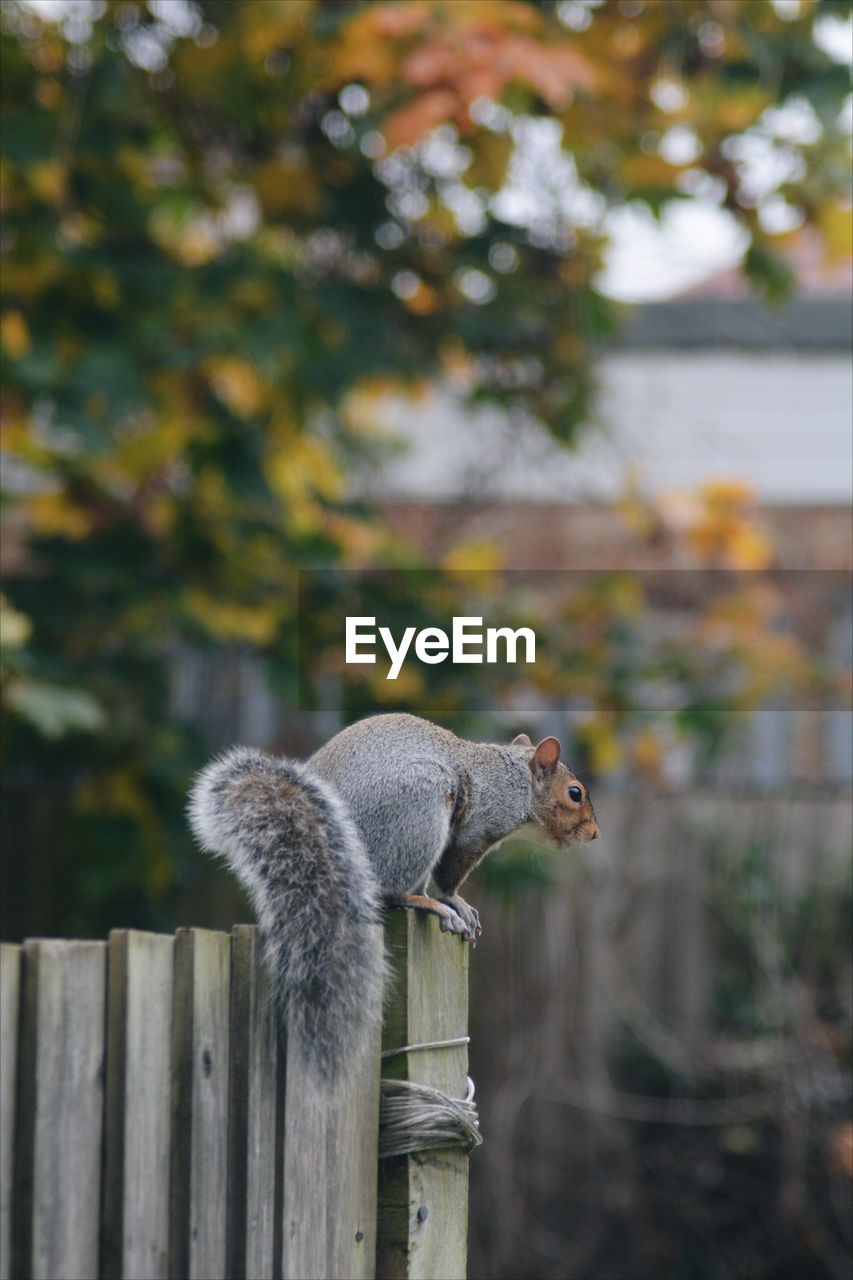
[254,1186]
[10,992]
[60,1100]
[423,1199]
[352,1157]
[200,1068]
[330,1166]
[136,1140]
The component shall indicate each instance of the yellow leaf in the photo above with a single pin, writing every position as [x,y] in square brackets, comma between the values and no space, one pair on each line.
[194,240]
[15,334]
[285,184]
[15,627]
[648,171]
[302,473]
[361,408]
[747,548]
[49,93]
[54,513]
[408,687]
[482,556]
[227,620]
[725,492]
[836,228]
[115,792]
[360,541]
[105,288]
[712,99]
[634,508]
[602,742]
[273,25]
[490,157]
[725,530]
[236,384]
[47,178]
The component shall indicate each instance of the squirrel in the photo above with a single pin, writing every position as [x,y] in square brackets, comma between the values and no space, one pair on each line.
[321,846]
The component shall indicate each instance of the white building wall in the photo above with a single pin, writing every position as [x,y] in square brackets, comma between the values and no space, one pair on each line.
[779,421]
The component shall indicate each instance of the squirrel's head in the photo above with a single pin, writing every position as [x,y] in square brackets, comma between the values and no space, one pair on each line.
[561,802]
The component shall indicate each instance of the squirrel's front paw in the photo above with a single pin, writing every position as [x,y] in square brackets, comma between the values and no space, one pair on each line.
[453,923]
[471,927]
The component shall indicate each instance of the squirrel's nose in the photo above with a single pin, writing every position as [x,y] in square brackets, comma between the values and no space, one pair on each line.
[596,832]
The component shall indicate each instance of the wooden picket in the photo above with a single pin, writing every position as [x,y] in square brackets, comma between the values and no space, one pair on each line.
[256,1099]
[139,1067]
[60,1109]
[154,1124]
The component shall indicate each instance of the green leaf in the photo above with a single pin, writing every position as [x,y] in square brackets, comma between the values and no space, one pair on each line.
[52,710]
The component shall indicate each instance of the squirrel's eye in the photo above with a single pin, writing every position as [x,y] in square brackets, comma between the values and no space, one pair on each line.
[575,794]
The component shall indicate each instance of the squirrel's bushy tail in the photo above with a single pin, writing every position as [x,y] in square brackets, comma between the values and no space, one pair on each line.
[288,838]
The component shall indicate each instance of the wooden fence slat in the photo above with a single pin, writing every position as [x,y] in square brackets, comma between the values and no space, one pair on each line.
[10,991]
[200,1065]
[60,1099]
[352,1157]
[254,1189]
[423,1198]
[136,1146]
[222,1155]
[330,1167]
[305,1228]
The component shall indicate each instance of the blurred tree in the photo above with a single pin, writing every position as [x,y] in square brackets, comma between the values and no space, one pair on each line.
[227,228]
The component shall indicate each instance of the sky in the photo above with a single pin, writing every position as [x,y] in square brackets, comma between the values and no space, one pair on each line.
[647,260]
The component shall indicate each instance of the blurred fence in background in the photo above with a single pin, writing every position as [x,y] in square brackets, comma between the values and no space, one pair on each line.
[661,1040]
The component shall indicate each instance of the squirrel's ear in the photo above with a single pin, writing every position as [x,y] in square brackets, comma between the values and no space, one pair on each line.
[547,754]
[522,741]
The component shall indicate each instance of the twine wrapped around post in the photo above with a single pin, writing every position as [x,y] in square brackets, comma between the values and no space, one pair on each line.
[417,1117]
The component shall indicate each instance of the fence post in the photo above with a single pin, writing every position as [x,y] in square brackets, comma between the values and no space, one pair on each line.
[423,1197]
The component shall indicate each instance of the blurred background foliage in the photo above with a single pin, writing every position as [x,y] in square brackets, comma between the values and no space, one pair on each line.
[228,230]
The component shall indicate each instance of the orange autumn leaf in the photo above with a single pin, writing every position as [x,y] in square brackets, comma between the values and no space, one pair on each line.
[479,63]
[424,300]
[405,127]
[398,20]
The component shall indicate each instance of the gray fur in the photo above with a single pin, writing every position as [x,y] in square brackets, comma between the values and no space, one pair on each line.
[319,846]
[406,766]
[289,840]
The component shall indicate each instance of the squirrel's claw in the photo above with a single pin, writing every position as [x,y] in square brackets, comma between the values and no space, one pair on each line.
[454,915]
[469,916]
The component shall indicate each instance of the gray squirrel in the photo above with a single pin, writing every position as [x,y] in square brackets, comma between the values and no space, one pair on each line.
[321,846]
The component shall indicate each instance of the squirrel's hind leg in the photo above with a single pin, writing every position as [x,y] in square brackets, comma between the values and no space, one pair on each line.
[450,920]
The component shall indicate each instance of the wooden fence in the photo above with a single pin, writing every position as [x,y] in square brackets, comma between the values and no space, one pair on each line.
[153,1124]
